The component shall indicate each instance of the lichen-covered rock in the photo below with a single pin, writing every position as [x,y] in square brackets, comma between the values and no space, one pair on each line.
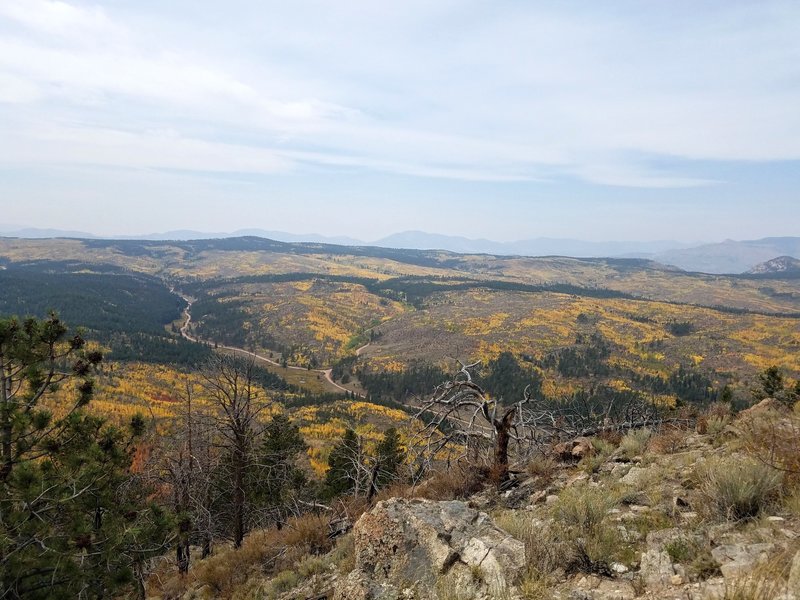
[359,586]
[637,476]
[656,568]
[402,544]
[738,560]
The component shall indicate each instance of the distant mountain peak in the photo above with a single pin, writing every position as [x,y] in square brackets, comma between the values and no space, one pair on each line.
[780,264]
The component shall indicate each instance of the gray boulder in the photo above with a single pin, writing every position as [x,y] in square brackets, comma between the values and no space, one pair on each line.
[409,548]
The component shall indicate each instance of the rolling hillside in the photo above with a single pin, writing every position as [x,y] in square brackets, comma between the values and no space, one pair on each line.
[628,324]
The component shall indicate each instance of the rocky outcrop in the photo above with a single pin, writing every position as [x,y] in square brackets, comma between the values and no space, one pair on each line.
[575,450]
[765,406]
[656,567]
[738,560]
[408,548]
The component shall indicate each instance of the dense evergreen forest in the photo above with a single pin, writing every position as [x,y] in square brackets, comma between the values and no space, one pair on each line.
[125,312]
[507,378]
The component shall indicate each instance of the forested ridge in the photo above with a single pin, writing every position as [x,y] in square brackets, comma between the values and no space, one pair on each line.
[125,312]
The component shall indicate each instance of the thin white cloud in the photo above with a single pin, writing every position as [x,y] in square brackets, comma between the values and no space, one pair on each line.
[452,90]
[163,149]
[53,17]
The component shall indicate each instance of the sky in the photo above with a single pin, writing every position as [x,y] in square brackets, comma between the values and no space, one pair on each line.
[499,119]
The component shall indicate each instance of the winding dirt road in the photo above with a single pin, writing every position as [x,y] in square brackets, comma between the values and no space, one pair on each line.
[325,372]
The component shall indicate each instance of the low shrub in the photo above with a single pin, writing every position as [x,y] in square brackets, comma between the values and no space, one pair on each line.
[283,582]
[667,441]
[453,484]
[307,534]
[774,439]
[695,557]
[583,507]
[602,450]
[311,565]
[547,545]
[542,467]
[717,424]
[265,551]
[575,539]
[737,487]
[343,556]
[635,441]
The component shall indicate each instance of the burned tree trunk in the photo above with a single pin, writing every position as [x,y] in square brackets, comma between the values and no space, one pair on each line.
[462,410]
[502,429]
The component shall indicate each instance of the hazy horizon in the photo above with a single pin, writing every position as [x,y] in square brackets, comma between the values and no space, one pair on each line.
[6,228]
[503,121]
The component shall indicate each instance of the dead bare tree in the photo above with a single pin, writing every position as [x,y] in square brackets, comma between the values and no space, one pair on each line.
[187,462]
[239,404]
[461,413]
[461,409]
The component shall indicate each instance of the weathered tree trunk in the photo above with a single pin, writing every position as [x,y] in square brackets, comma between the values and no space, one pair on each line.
[182,556]
[373,481]
[502,428]
[238,498]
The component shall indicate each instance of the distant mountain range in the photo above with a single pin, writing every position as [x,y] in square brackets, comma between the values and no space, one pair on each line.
[415,240]
[725,257]
[179,235]
[729,256]
[533,247]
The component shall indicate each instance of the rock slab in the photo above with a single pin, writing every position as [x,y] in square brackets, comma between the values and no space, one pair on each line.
[405,544]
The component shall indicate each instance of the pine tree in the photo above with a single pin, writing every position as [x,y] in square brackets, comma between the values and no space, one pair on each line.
[390,456]
[771,382]
[69,526]
[280,478]
[342,475]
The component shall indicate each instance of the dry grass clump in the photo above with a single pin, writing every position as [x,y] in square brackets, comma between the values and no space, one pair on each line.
[453,484]
[611,436]
[547,545]
[395,490]
[774,439]
[283,582]
[583,507]
[635,441]
[549,549]
[718,409]
[602,450]
[587,543]
[543,467]
[694,555]
[536,586]
[264,552]
[343,556]
[737,487]
[717,424]
[307,534]
[667,441]
[767,581]
[792,503]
